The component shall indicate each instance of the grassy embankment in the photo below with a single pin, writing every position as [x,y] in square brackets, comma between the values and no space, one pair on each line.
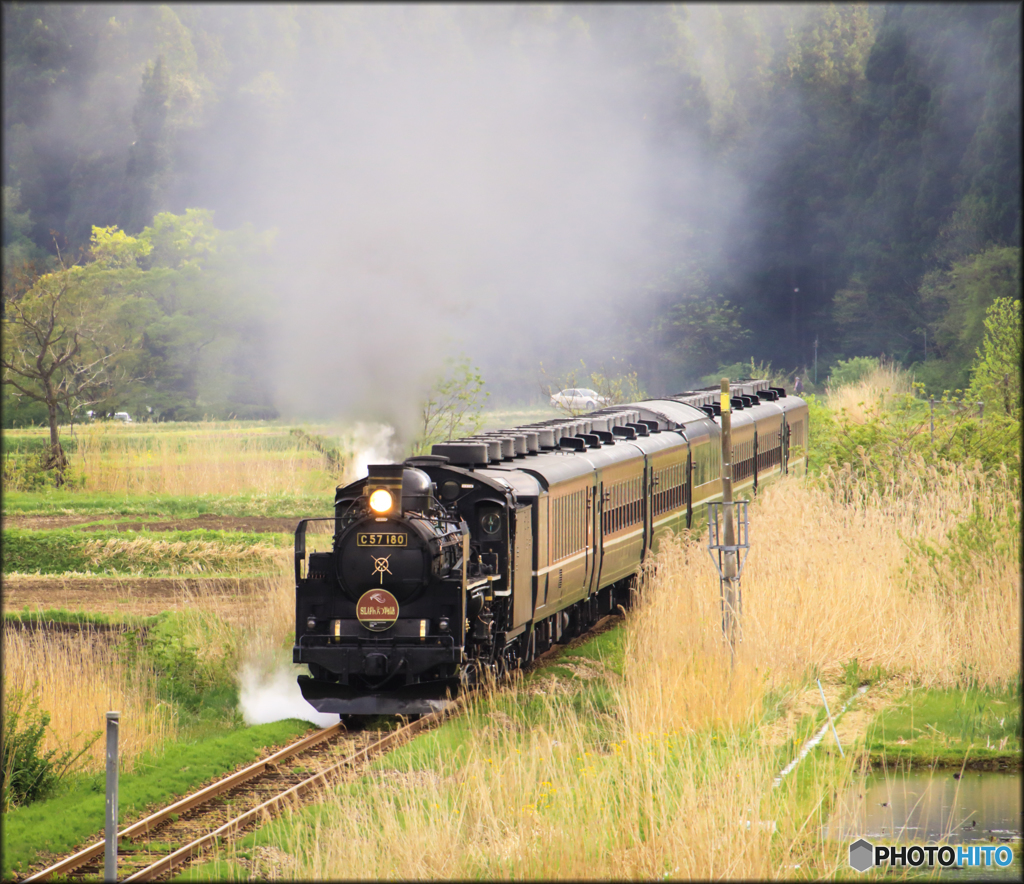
[174,678]
[646,755]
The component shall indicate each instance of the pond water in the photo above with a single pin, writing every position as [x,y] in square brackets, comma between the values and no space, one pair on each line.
[929,807]
[923,806]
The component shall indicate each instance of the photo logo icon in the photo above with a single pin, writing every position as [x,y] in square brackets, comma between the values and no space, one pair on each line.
[862,855]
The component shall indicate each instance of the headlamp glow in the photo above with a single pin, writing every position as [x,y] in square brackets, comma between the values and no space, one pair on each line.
[381,501]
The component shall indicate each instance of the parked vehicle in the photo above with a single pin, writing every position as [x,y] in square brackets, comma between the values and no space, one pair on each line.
[578,398]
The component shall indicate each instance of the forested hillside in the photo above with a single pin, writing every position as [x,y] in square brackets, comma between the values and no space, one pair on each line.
[244,190]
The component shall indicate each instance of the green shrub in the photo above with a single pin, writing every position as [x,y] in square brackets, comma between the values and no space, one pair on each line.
[29,472]
[196,656]
[27,773]
[849,371]
[908,432]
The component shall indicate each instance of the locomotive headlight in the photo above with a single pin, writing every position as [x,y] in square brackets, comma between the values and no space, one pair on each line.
[381,501]
[311,623]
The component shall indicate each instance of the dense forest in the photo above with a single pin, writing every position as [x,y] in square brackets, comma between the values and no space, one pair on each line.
[254,209]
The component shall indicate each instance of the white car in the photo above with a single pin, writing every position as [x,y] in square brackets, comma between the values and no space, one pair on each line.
[578,398]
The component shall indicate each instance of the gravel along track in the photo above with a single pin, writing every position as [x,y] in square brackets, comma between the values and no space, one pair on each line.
[155,846]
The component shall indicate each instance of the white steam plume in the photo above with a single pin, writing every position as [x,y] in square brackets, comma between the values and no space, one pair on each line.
[372,443]
[268,691]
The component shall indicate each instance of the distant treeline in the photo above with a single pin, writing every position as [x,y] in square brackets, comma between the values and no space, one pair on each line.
[878,146]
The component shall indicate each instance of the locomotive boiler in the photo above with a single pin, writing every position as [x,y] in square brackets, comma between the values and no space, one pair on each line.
[475,558]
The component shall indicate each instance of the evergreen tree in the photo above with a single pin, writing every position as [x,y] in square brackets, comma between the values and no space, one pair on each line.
[147,168]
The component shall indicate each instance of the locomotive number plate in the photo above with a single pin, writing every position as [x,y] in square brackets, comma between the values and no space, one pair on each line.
[381,539]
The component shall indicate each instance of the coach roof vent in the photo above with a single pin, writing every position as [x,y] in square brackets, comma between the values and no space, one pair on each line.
[546,438]
[532,439]
[572,443]
[494,452]
[463,454]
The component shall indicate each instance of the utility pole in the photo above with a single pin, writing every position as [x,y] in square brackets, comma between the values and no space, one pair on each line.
[728,541]
[815,359]
[728,568]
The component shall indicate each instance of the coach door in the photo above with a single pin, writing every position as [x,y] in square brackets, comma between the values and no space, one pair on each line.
[600,505]
[591,555]
[688,490]
[648,490]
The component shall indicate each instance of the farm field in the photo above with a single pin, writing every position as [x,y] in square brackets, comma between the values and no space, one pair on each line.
[175,606]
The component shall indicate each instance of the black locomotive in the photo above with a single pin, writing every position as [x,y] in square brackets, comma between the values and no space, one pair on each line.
[484,553]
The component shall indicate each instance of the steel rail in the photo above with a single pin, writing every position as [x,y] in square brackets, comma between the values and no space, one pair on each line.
[229,782]
[179,856]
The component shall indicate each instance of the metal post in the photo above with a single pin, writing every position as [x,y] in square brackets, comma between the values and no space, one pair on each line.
[981,412]
[931,418]
[830,721]
[730,602]
[110,851]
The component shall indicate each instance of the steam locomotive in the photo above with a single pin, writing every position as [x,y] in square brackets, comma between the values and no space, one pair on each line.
[481,555]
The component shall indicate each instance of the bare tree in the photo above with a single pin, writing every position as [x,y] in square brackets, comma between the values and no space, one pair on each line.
[54,350]
[454,405]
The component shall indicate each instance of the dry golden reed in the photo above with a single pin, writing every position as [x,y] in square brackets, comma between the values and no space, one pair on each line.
[78,678]
[551,803]
[872,394]
[834,575]
[221,459]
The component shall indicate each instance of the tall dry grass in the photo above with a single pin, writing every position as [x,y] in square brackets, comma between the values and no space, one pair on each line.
[836,573]
[79,677]
[548,802]
[874,393]
[223,460]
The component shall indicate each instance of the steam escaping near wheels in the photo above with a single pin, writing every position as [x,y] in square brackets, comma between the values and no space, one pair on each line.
[268,691]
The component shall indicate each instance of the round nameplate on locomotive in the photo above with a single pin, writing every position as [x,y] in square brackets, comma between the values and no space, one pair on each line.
[377,609]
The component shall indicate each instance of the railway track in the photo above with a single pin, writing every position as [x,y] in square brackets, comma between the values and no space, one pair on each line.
[163,842]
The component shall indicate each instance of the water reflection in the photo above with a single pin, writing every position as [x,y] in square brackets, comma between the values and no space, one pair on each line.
[931,806]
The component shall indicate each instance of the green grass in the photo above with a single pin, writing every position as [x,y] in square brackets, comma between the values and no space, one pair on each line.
[945,727]
[53,502]
[79,618]
[76,816]
[59,551]
[214,870]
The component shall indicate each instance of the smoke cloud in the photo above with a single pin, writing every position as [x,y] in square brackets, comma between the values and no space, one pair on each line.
[441,188]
